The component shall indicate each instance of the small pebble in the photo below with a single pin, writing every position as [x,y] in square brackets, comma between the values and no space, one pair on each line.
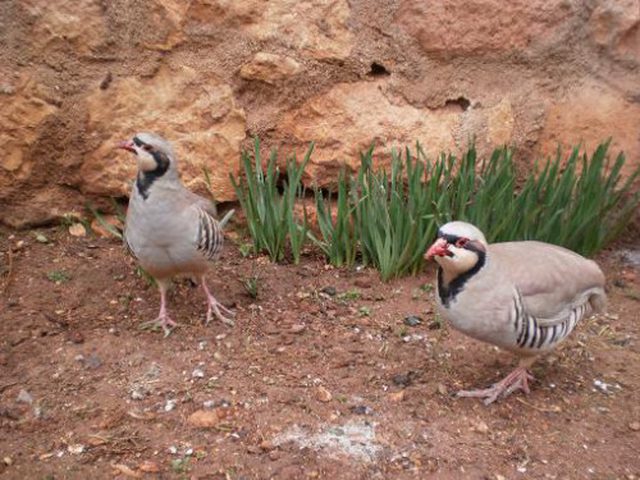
[323,394]
[137,394]
[402,379]
[24,397]
[298,328]
[361,410]
[170,405]
[173,450]
[197,373]
[331,291]
[635,426]
[412,320]
[76,449]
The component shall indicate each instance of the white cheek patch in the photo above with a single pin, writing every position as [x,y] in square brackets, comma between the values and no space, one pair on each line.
[146,162]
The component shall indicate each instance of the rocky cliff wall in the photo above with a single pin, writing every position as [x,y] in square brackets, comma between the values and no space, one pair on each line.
[78,76]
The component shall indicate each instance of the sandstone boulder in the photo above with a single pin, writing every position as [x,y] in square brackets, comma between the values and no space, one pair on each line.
[459,27]
[346,120]
[269,68]
[589,113]
[198,115]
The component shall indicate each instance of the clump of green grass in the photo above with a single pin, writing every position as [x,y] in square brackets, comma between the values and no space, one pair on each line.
[269,206]
[580,203]
[58,276]
[383,219]
[388,219]
[251,285]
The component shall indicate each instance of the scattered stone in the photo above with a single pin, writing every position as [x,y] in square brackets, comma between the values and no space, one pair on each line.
[397,396]
[77,230]
[8,461]
[403,379]
[202,345]
[266,445]
[75,337]
[76,449]
[602,386]
[412,320]
[635,426]
[331,291]
[480,427]
[197,373]
[442,389]
[24,397]
[149,467]
[173,450]
[274,455]
[361,410]
[138,392]
[298,328]
[323,395]
[126,471]
[41,238]
[170,405]
[206,418]
[92,361]
[153,372]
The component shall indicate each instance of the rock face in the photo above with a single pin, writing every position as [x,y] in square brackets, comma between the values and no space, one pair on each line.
[198,115]
[77,77]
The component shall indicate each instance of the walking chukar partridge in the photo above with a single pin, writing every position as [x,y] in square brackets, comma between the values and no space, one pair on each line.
[525,297]
[169,229]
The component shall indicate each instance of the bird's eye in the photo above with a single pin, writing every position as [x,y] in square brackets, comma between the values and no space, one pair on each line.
[147,147]
[461,242]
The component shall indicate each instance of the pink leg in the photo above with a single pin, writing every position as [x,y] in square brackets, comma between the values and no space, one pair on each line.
[162,320]
[214,306]
[516,380]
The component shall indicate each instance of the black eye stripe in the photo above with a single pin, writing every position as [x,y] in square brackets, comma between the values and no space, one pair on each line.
[138,142]
[449,238]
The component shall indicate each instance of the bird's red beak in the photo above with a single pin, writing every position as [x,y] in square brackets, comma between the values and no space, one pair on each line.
[128,145]
[438,249]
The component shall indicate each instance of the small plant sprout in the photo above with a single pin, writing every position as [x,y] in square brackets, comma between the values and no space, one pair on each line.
[58,276]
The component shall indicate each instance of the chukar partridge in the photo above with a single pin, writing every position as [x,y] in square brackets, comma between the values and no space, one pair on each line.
[525,297]
[169,229]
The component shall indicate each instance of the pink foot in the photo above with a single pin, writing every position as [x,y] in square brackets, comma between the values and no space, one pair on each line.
[162,321]
[516,380]
[221,312]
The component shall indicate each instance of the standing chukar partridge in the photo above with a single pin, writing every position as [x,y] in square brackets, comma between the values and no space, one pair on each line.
[525,297]
[169,229]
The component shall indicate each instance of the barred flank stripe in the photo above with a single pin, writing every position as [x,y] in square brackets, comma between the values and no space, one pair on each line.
[531,335]
[209,236]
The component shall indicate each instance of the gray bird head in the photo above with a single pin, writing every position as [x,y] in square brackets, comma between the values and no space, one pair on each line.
[153,153]
[458,248]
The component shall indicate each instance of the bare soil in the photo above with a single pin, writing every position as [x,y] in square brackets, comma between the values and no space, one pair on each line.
[307,384]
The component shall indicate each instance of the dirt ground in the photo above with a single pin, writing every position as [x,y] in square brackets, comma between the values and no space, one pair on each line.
[320,378]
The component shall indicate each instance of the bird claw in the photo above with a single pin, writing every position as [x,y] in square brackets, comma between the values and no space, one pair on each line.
[516,380]
[220,311]
[164,322]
